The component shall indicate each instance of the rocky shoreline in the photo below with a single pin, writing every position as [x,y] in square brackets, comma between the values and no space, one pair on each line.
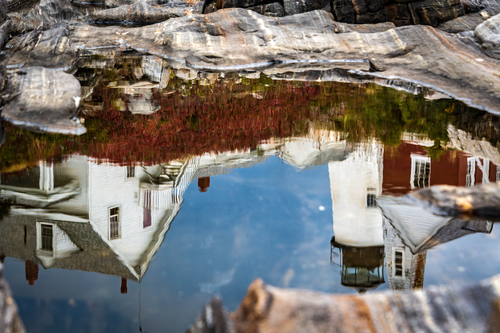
[448,46]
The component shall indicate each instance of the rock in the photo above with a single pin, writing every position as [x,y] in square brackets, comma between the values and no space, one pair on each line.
[481,200]
[363,28]
[220,4]
[274,9]
[168,3]
[44,100]
[210,8]
[488,33]
[397,13]
[420,54]
[2,133]
[450,308]
[293,7]
[343,10]
[50,48]
[44,16]
[482,11]
[212,319]
[137,14]
[3,10]
[433,12]
[9,315]
[461,24]
[472,6]
[402,12]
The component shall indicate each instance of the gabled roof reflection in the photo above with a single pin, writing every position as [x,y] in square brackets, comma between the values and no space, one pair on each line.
[420,229]
[95,225]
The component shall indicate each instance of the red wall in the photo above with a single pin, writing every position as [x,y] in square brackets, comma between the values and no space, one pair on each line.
[450,169]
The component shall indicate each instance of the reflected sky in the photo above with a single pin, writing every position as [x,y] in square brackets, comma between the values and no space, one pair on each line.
[269,221]
[184,188]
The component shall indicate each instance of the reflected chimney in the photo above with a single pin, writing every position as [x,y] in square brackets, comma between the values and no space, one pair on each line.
[123,288]
[31,269]
[203,184]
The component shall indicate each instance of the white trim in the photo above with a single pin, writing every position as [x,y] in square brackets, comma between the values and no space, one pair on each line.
[470,178]
[46,181]
[119,222]
[484,166]
[39,248]
[419,159]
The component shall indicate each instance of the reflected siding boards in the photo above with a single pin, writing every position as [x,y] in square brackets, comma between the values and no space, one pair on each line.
[409,231]
[392,244]
[352,180]
[109,188]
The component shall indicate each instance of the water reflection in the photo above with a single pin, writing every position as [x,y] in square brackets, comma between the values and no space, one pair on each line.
[241,165]
[399,233]
[111,219]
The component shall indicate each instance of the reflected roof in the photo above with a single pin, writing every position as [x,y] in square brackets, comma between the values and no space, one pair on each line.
[421,230]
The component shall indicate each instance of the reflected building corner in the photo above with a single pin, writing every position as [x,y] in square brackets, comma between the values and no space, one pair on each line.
[409,231]
[373,231]
[97,217]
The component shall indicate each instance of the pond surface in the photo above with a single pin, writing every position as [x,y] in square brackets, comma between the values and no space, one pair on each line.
[189,185]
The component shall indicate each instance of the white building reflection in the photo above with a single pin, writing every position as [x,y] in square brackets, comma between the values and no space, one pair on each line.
[373,231]
[355,183]
[111,219]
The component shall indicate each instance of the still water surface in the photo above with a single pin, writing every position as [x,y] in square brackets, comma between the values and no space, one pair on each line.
[190,188]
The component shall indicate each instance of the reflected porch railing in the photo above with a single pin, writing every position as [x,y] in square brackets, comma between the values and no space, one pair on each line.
[165,194]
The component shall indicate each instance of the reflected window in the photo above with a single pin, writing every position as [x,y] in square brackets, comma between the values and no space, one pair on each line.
[146,215]
[471,171]
[47,237]
[130,171]
[371,200]
[420,171]
[398,263]
[114,223]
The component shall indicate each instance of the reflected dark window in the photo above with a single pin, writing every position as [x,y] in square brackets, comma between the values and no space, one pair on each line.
[398,263]
[47,237]
[130,171]
[371,200]
[471,171]
[114,223]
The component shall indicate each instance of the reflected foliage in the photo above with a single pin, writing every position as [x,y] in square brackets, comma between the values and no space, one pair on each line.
[200,115]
